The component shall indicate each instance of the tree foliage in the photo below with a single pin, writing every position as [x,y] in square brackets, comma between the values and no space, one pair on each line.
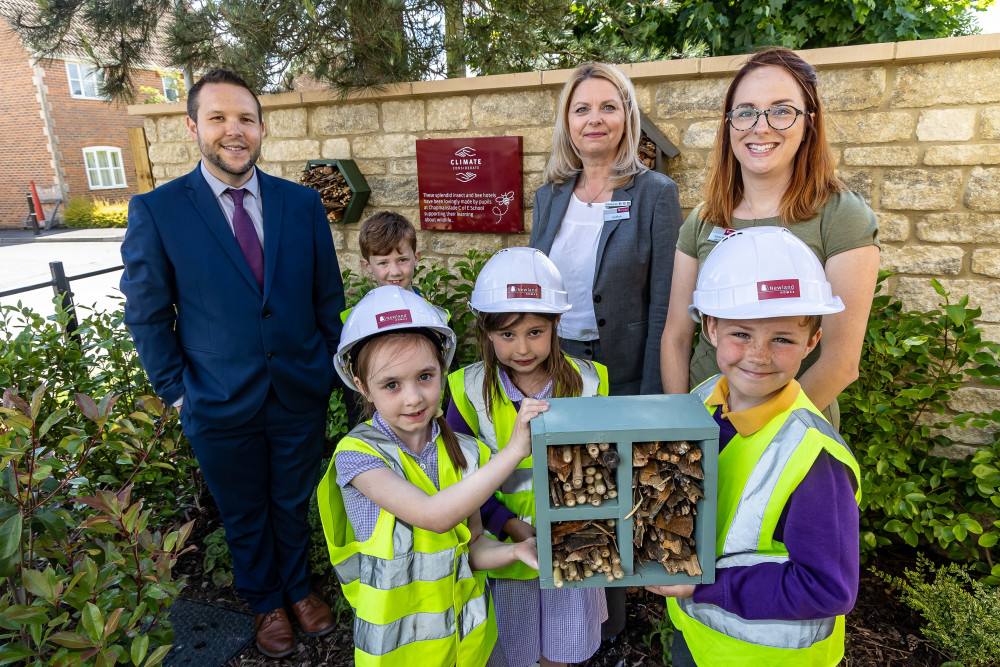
[728,27]
[364,43]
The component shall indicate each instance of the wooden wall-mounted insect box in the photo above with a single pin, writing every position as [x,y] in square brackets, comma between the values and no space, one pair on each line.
[341,186]
[668,445]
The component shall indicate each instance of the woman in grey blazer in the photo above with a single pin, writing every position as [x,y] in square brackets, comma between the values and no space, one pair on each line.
[610,225]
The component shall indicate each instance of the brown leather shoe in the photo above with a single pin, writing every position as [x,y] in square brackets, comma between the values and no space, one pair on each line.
[314,615]
[275,637]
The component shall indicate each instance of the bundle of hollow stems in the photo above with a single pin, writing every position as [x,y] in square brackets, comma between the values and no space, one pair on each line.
[580,474]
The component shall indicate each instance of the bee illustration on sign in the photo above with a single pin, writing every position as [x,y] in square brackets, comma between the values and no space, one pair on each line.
[503,203]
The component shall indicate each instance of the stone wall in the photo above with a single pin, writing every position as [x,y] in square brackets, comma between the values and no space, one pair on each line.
[915,127]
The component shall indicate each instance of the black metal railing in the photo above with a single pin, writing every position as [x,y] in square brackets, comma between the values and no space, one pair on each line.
[60,284]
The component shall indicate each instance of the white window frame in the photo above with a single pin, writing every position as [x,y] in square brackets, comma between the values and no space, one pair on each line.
[170,87]
[106,176]
[86,76]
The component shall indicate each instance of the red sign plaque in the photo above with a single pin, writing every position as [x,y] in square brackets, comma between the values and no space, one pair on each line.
[470,185]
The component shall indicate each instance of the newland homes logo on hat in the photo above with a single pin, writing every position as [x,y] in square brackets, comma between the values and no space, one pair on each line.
[778,289]
[524,291]
[391,317]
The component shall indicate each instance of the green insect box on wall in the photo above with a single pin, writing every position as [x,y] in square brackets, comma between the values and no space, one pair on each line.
[625,491]
[341,186]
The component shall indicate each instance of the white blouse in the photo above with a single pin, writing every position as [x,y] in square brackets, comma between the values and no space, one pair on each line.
[574,252]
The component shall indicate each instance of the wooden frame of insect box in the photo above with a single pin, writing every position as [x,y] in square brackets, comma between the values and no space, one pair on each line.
[360,189]
[622,422]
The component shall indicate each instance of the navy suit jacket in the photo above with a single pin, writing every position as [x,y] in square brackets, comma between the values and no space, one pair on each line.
[203,327]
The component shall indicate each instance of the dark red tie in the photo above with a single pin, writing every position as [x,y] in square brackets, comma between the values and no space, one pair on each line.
[247,237]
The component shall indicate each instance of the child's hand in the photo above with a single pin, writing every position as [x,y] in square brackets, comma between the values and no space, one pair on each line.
[520,438]
[676,591]
[518,530]
[527,552]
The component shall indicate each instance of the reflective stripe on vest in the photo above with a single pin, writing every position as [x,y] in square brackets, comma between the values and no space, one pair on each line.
[517,491]
[776,634]
[414,591]
[802,426]
[745,531]
[379,639]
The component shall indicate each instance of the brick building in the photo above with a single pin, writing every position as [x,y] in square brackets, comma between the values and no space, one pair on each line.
[58,131]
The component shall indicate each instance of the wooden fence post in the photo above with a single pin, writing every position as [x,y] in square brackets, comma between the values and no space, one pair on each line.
[140,158]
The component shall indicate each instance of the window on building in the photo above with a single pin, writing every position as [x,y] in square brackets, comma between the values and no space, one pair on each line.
[104,167]
[84,81]
[170,88]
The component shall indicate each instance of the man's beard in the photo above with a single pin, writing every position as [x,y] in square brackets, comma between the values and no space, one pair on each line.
[215,157]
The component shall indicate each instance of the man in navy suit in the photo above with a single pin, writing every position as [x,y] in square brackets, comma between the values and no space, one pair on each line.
[233,300]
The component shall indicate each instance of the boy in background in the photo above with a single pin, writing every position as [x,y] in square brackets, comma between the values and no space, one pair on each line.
[389,253]
[389,249]
[787,551]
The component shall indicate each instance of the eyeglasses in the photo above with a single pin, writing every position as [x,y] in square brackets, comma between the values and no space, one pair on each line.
[780,117]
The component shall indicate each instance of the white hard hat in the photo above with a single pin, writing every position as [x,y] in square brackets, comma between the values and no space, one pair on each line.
[519,280]
[387,309]
[762,272]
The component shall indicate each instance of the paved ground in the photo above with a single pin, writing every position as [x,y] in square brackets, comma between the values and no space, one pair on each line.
[24,261]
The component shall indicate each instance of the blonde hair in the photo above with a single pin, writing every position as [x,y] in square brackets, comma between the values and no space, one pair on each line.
[564,162]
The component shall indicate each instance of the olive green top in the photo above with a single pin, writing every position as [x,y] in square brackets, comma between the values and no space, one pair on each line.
[844,223]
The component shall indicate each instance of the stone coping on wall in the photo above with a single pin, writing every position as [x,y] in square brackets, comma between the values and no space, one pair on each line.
[949,48]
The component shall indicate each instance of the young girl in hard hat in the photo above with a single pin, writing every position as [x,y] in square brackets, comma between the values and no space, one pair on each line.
[518,299]
[787,561]
[400,501]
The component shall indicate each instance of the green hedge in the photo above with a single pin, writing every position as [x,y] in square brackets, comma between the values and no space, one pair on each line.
[83,213]
[893,416]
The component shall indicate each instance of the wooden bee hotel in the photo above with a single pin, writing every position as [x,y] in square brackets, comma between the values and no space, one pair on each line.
[625,491]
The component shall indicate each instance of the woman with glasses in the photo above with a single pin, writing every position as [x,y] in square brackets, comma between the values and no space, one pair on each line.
[772,165]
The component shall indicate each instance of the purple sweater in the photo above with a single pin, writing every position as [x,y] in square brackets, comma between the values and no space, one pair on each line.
[819,527]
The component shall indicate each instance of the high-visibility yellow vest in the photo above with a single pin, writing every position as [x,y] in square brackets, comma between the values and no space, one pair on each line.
[517,492]
[776,459]
[415,597]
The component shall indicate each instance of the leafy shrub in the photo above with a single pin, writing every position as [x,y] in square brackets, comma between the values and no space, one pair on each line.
[218,559]
[336,417]
[962,614]
[911,365]
[83,579]
[83,213]
[662,631]
[441,287]
[104,362]
[319,553]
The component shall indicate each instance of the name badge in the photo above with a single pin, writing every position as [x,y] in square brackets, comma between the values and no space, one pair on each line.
[616,210]
[616,214]
[718,233]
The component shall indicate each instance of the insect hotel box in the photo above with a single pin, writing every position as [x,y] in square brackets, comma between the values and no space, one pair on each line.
[341,186]
[625,491]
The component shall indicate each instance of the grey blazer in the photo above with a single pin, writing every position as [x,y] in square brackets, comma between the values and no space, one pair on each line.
[635,262]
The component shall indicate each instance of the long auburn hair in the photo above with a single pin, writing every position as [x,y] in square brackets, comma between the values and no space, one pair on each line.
[407,342]
[813,178]
[566,381]
[564,162]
